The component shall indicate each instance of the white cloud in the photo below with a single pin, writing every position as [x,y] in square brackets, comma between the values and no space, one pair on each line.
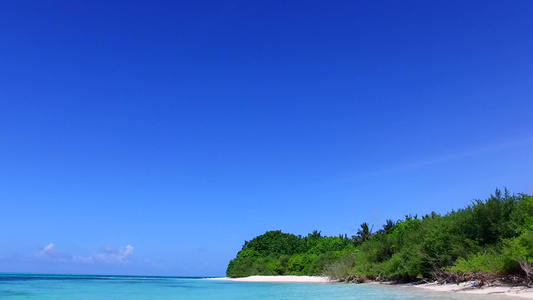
[49,247]
[121,255]
[107,254]
[126,252]
[49,253]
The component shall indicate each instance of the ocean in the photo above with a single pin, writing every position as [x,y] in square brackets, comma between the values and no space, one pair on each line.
[89,287]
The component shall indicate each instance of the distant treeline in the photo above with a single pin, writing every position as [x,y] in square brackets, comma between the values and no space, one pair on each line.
[492,236]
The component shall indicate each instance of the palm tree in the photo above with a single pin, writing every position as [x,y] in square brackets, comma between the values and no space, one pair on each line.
[388,226]
[315,235]
[364,233]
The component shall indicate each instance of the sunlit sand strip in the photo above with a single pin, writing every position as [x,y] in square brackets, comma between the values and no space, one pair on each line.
[514,291]
[288,278]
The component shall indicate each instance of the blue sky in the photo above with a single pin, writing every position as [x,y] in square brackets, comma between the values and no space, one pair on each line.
[153,137]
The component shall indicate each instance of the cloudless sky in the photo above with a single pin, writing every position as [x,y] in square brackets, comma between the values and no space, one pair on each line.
[155,137]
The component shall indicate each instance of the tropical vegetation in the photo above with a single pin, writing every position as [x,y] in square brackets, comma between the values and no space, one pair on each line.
[492,236]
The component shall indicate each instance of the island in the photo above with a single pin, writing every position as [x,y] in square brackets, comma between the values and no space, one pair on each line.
[487,243]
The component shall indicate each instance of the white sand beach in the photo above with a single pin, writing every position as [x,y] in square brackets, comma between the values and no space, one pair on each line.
[467,288]
[287,278]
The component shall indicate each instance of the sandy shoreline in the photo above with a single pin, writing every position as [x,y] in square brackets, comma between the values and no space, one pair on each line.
[465,287]
[284,279]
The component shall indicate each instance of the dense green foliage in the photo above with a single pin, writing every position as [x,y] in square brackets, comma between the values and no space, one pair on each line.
[493,236]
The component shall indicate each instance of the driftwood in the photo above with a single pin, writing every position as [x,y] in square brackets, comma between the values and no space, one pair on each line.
[528,269]
[353,279]
[477,279]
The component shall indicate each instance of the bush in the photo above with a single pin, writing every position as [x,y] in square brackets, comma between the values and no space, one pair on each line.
[490,262]
[338,269]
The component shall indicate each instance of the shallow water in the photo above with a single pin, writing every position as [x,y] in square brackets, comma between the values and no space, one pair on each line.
[33,286]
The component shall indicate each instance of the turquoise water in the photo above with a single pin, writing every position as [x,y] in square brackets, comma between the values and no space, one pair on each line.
[32,286]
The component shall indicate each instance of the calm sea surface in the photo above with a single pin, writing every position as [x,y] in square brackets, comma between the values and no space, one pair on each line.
[33,286]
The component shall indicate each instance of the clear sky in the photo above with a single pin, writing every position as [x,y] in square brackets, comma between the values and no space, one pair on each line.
[155,137]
